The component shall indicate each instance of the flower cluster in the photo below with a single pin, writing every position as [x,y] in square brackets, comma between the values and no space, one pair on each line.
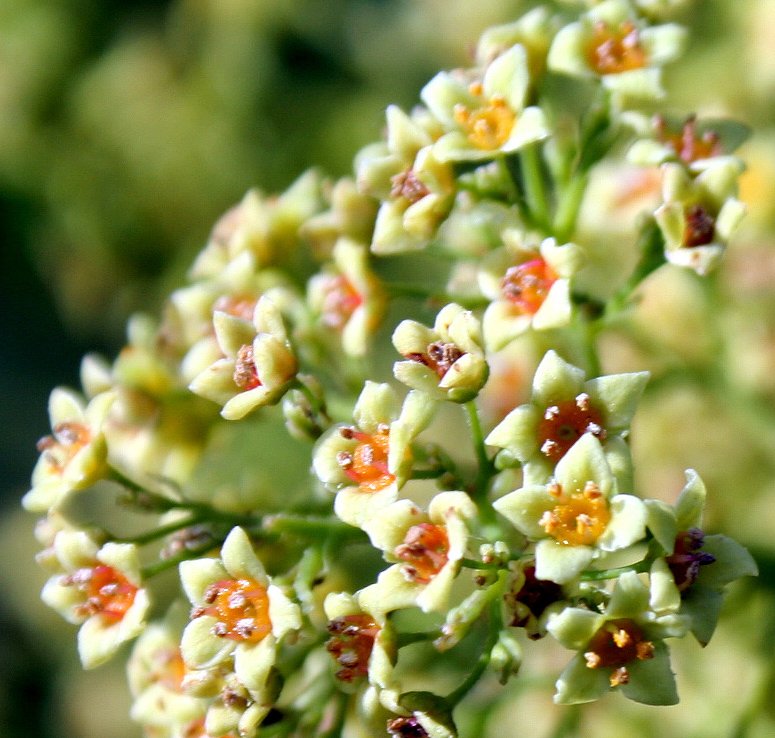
[390,517]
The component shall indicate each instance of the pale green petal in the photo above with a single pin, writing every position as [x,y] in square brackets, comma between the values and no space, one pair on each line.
[530,127]
[617,455]
[200,647]
[630,597]
[355,507]
[556,380]
[232,332]
[556,309]
[732,562]
[703,606]
[508,76]
[239,558]
[517,432]
[412,337]
[197,575]
[573,627]
[584,462]
[216,382]
[124,558]
[560,563]
[627,525]
[376,404]
[388,529]
[617,396]
[502,323]
[664,595]
[578,683]
[525,507]
[690,503]
[284,613]
[651,680]
[254,661]
[567,54]
[663,43]
[662,524]
[404,136]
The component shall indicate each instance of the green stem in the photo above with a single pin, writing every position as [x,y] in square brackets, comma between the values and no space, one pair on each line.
[153,569]
[161,531]
[535,190]
[314,528]
[652,248]
[473,564]
[495,623]
[569,206]
[407,639]
[601,574]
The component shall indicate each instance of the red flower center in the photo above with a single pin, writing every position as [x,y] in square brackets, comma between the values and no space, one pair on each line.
[340,301]
[351,644]
[564,423]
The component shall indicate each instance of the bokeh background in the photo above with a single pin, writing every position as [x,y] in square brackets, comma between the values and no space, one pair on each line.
[127,128]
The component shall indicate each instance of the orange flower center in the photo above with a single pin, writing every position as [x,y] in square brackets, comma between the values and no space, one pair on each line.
[367,464]
[109,593]
[424,550]
[577,519]
[615,50]
[564,423]
[616,644]
[245,372]
[527,285]
[351,644]
[340,301]
[241,607]
[67,440]
[489,126]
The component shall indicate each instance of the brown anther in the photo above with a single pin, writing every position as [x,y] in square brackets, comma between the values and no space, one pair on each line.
[700,227]
[644,650]
[619,676]
[347,432]
[554,489]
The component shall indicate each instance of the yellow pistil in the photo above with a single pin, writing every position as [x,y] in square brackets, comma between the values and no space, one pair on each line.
[578,519]
[489,126]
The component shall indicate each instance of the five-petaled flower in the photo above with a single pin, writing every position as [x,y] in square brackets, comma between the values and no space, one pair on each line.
[622,647]
[427,548]
[99,588]
[258,365]
[563,407]
[528,285]
[238,613]
[446,361]
[74,456]
[366,463]
[576,517]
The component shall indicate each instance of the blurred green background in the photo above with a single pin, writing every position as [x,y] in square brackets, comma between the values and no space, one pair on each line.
[127,128]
